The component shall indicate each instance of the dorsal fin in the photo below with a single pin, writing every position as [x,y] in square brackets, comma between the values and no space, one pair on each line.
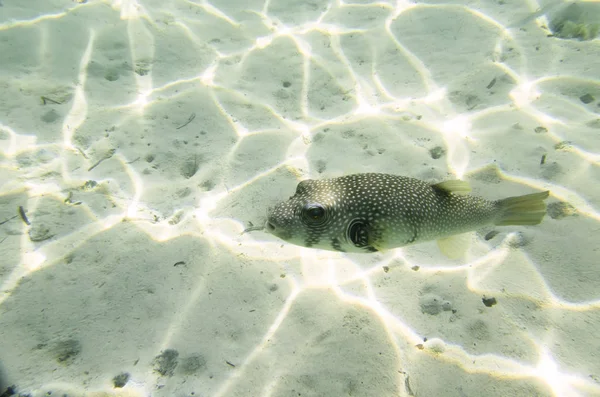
[454,186]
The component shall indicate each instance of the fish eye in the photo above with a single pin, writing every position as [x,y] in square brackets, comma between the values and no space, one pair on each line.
[314,213]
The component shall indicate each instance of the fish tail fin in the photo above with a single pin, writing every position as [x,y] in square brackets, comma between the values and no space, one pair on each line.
[522,210]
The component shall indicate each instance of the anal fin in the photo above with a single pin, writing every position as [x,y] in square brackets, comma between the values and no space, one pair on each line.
[455,247]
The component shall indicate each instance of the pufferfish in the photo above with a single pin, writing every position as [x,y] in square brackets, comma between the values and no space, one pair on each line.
[376,212]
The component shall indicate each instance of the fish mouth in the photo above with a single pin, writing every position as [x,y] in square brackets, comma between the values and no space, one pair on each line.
[270,227]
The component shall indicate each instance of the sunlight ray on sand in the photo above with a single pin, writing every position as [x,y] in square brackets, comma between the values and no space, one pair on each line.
[142,143]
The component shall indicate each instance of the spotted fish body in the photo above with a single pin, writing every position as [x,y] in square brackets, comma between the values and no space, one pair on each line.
[375,212]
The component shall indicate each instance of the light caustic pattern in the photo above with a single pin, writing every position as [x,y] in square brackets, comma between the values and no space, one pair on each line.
[135,130]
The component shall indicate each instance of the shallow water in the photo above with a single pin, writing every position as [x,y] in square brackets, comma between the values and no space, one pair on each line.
[139,139]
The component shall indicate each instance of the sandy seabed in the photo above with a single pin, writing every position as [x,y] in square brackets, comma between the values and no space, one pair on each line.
[138,139]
